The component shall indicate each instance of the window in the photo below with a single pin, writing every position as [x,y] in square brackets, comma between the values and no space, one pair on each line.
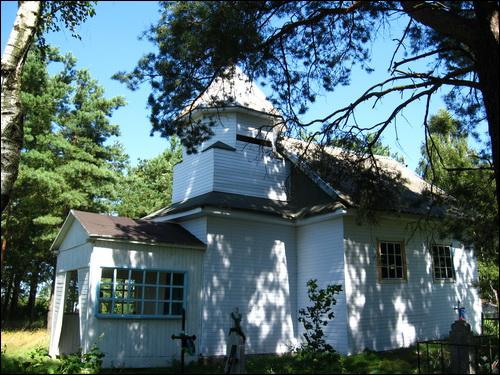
[71,304]
[391,261]
[442,261]
[141,293]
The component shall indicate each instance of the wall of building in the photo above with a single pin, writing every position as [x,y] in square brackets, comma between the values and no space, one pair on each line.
[74,254]
[389,314]
[320,256]
[250,265]
[251,170]
[142,342]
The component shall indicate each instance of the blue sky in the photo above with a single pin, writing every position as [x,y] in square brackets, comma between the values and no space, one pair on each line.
[109,43]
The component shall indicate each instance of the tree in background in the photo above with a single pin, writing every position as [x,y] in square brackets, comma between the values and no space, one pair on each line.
[306,48]
[32,20]
[67,161]
[466,177]
[148,186]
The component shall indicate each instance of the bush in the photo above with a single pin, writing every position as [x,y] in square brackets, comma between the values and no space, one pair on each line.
[314,318]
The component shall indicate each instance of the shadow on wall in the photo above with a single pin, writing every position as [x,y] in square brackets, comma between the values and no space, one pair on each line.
[390,314]
[251,266]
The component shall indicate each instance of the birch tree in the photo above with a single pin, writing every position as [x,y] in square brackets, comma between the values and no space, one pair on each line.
[33,18]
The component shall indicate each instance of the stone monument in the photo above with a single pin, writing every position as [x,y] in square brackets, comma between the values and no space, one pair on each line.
[235,351]
[461,345]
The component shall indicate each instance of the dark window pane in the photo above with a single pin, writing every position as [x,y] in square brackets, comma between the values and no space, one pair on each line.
[383,248]
[136,277]
[149,308]
[165,308]
[383,260]
[135,292]
[392,273]
[165,293]
[397,248]
[399,261]
[399,273]
[176,308]
[384,272]
[165,278]
[150,292]
[151,277]
[177,294]
[178,279]
[390,249]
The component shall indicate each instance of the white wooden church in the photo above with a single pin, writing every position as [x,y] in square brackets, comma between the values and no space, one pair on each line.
[248,226]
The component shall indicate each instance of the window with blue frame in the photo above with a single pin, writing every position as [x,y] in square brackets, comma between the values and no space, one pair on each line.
[141,293]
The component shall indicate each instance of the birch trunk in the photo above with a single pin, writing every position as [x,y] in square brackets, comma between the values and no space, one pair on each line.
[13,58]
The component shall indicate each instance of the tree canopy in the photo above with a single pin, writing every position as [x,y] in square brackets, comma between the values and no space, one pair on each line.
[68,160]
[466,177]
[33,19]
[305,48]
[147,187]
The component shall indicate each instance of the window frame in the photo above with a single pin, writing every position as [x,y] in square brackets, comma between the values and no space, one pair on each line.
[142,300]
[451,279]
[404,265]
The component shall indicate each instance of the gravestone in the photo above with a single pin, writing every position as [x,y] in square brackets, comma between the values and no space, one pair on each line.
[461,345]
[235,350]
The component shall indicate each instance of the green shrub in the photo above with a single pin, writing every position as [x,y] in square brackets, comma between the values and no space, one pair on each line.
[314,318]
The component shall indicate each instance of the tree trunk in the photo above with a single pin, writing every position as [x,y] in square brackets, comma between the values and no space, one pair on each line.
[487,62]
[6,299]
[13,58]
[14,301]
[32,295]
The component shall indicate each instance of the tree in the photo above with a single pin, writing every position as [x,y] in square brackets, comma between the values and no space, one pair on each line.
[305,48]
[466,177]
[148,186]
[67,161]
[32,20]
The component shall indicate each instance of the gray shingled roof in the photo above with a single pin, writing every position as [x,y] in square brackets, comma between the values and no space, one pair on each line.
[124,228]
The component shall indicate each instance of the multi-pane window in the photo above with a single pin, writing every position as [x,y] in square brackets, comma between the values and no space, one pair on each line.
[391,261]
[442,261]
[141,293]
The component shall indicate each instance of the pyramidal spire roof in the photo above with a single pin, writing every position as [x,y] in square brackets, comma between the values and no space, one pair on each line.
[237,91]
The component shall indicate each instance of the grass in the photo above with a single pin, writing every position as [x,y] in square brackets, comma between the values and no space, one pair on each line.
[16,344]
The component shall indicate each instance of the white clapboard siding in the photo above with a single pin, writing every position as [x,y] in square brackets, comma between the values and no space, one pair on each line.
[251,170]
[320,255]
[193,176]
[143,342]
[385,315]
[83,306]
[252,266]
[74,252]
[57,313]
[223,128]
